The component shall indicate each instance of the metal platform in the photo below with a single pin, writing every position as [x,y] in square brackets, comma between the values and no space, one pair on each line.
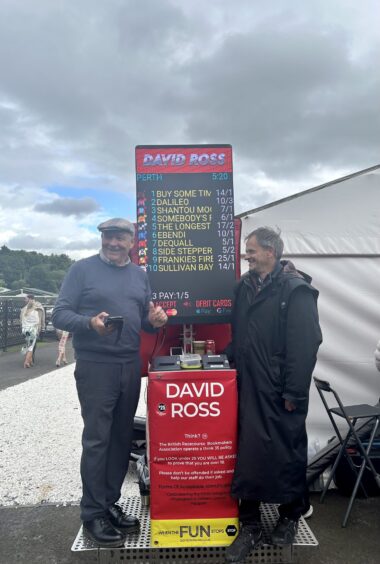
[137,547]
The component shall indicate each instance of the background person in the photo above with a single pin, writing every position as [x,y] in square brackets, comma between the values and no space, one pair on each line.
[276,336]
[32,317]
[63,336]
[107,370]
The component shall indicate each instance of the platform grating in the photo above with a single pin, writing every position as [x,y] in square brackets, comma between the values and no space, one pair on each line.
[137,547]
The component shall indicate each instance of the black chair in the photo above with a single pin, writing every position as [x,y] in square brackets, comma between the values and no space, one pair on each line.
[351,414]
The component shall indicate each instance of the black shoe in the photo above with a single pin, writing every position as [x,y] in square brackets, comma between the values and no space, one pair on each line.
[103,533]
[284,532]
[127,523]
[249,537]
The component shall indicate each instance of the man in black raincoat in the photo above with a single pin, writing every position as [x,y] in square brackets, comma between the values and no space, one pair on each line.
[276,336]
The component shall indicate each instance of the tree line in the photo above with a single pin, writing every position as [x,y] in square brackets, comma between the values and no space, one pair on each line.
[24,269]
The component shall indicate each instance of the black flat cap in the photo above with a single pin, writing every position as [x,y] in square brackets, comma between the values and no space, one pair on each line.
[117,224]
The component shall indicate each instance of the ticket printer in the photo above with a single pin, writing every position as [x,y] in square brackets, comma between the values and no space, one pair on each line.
[165,363]
[215,362]
[189,361]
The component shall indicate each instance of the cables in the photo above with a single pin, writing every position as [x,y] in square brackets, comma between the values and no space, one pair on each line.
[158,346]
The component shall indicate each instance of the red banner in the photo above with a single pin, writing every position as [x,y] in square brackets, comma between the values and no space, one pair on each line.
[183,159]
[192,451]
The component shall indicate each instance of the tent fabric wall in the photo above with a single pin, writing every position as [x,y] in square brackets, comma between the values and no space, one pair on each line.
[342,218]
[350,319]
[333,234]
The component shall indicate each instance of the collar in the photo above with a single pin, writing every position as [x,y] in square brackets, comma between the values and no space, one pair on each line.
[107,261]
[269,277]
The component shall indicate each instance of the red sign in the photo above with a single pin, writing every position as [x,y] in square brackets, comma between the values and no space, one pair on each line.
[157,160]
[192,452]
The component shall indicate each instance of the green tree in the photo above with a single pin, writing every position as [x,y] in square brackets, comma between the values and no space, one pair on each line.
[57,276]
[36,270]
[39,276]
[60,262]
[18,284]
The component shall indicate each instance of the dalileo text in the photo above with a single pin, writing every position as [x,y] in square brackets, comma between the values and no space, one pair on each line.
[194,391]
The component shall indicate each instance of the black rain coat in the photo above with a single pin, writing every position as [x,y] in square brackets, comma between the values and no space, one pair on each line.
[276,336]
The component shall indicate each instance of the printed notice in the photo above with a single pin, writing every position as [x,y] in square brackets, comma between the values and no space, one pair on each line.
[186,237]
[192,453]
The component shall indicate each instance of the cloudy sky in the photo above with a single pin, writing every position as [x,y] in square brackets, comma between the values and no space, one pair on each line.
[293,86]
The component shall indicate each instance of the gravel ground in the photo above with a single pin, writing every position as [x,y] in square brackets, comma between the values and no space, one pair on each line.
[40,442]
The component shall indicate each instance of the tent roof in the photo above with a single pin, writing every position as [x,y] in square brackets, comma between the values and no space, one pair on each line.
[341,217]
[309,190]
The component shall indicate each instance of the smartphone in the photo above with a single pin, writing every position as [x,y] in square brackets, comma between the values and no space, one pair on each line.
[113,320]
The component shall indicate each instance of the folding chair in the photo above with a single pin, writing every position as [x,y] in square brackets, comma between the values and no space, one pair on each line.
[351,414]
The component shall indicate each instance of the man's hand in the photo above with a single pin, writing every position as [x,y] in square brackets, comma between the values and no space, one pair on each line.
[289,406]
[97,324]
[157,317]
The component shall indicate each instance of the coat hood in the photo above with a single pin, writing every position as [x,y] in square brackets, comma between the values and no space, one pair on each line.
[289,268]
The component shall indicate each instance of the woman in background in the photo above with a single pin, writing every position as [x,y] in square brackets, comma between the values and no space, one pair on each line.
[32,318]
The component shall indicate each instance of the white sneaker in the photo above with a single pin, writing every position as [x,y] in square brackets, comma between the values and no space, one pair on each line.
[308,513]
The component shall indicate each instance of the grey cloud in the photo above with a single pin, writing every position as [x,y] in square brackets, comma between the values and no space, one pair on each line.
[42,244]
[91,244]
[31,243]
[281,83]
[69,206]
[288,100]
[167,23]
[251,199]
[93,76]
[17,197]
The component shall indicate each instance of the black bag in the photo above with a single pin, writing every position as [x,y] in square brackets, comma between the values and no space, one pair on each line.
[345,477]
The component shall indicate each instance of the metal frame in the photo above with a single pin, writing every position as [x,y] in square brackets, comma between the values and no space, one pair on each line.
[137,547]
[351,414]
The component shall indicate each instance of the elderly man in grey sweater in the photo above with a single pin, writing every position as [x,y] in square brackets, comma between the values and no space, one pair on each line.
[107,370]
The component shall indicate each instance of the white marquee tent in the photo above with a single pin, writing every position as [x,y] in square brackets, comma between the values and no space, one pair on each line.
[332,232]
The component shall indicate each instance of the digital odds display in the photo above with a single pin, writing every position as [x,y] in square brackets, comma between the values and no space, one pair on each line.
[186,238]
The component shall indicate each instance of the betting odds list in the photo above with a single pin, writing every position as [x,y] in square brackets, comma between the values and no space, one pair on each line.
[186,237]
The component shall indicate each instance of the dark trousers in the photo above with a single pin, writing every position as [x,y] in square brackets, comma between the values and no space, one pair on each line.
[249,510]
[108,394]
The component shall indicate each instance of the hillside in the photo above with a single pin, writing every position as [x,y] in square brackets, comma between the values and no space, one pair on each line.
[20,269]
